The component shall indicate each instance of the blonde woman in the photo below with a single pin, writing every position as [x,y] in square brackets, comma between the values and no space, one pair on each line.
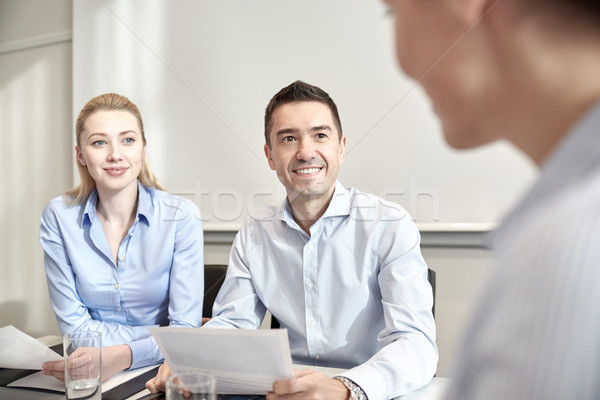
[121,255]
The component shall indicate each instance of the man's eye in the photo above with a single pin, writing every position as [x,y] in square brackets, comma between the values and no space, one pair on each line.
[288,139]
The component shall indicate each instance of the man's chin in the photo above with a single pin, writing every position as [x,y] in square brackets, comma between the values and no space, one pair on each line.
[307,193]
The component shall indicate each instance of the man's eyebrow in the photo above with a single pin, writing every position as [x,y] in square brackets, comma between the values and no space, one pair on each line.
[321,128]
[285,131]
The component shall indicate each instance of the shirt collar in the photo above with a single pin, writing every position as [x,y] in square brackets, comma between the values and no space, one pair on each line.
[144,206]
[89,209]
[573,159]
[338,206]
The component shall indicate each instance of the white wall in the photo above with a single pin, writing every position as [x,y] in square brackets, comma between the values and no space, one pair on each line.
[202,72]
[36,164]
[35,129]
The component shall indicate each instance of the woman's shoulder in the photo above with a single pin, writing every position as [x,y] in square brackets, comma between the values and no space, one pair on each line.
[62,204]
[170,203]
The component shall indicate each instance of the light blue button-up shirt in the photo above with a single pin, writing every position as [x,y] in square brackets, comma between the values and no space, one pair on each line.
[158,280]
[354,294]
[535,333]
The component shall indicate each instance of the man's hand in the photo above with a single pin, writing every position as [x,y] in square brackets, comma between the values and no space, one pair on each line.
[309,385]
[157,384]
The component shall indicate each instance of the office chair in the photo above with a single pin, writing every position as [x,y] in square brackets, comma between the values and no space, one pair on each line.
[214,275]
[430,278]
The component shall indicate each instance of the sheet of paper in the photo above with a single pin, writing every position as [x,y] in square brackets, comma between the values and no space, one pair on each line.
[245,361]
[40,381]
[20,351]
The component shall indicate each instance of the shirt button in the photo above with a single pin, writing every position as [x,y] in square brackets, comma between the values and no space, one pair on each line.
[118,308]
[312,322]
[318,356]
[310,284]
[121,258]
[309,246]
[116,285]
[137,219]
[131,234]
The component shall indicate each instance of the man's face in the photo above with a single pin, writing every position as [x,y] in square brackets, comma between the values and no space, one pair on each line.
[306,150]
[439,46]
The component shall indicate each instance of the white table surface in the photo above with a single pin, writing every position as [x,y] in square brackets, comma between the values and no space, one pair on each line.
[434,390]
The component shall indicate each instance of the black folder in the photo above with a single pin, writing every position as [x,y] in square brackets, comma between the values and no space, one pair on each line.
[124,390]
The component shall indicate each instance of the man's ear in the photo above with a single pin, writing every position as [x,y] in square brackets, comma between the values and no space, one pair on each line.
[469,12]
[269,155]
[342,154]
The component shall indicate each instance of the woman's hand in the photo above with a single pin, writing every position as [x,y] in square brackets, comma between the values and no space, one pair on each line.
[114,359]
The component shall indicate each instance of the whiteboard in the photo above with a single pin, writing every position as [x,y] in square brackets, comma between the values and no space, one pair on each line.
[202,73]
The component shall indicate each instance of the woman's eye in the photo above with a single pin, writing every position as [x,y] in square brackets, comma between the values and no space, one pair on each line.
[98,143]
[129,140]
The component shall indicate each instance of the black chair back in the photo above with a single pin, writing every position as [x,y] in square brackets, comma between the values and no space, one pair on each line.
[214,275]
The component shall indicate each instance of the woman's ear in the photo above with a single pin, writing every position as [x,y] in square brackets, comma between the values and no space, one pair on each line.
[80,158]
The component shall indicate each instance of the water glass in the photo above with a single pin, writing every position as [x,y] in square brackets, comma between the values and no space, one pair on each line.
[83,365]
[191,385]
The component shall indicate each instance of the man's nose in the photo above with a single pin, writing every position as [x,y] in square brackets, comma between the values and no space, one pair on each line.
[306,150]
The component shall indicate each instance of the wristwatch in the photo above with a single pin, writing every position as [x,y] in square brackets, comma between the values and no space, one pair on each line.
[356,393]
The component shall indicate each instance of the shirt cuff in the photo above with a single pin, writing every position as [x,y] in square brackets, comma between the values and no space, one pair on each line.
[370,381]
[144,352]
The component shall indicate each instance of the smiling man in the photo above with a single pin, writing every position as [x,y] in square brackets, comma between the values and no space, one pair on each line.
[340,269]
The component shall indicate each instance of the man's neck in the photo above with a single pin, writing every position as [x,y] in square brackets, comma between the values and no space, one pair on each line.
[307,211]
[553,78]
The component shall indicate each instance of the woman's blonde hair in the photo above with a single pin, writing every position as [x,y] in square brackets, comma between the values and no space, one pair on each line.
[107,102]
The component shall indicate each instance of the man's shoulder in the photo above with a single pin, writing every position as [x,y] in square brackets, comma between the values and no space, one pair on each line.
[370,205]
[266,216]
[558,225]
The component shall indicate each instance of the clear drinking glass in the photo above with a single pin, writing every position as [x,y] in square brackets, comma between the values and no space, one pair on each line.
[191,385]
[83,365]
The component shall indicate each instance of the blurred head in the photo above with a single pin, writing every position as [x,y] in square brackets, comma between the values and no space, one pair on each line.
[298,92]
[107,102]
[481,62]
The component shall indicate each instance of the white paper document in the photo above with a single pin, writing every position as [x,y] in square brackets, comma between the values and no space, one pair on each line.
[244,361]
[20,351]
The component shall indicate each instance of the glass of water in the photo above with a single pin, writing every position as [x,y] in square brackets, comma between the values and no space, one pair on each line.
[191,385]
[83,365]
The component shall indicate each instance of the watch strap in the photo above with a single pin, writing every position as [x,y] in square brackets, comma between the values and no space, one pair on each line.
[356,393]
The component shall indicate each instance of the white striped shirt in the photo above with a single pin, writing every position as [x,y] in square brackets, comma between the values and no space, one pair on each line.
[353,294]
[536,331]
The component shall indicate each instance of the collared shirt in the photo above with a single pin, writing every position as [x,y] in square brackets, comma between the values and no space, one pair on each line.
[158,279]
[536,330]
[354,294]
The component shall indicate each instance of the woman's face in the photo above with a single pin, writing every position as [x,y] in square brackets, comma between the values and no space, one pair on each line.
[112,149]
